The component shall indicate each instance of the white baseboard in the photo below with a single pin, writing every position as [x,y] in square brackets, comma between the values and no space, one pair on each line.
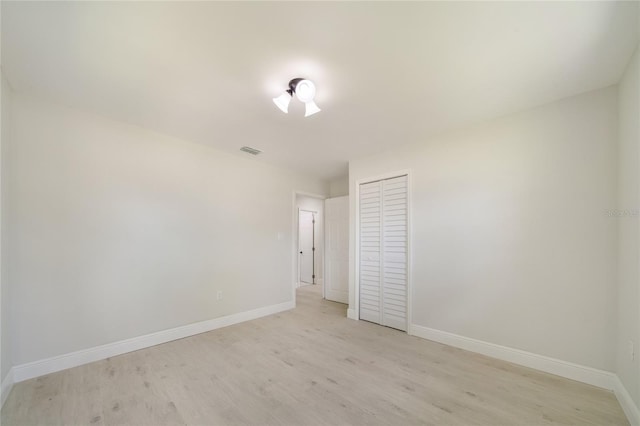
[592,376]
[7,385]
[85,356]
[626,402]
[580,373]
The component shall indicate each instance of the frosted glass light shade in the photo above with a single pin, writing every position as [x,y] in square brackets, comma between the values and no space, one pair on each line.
[305,91]
[282,102]
[311,108]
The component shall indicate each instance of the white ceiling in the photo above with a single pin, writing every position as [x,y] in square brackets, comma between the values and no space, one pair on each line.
[386,73]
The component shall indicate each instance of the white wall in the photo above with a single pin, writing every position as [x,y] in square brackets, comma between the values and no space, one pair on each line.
[316,205]
[511,244]
[5,348]
[628,229]
[339,187]
[117,231]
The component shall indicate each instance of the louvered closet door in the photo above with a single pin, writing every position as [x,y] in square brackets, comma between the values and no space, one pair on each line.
[383,252]
[370,255]
[394,252]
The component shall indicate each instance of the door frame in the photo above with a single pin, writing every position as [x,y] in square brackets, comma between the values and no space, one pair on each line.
[294,239]
[390,175]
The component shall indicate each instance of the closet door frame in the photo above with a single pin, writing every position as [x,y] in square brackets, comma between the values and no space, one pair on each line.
[390,175]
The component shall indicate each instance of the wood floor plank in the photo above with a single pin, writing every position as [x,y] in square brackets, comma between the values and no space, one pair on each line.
[308,366]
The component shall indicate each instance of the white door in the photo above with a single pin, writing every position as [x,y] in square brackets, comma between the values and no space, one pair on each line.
[336,240]
[306,247]
[394,257]
[370,241]
[383,252]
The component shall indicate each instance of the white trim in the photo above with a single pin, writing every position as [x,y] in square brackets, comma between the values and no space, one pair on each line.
[569,370]
[592,376]
[626,402]
[7,385]
[85,356]
[355,313]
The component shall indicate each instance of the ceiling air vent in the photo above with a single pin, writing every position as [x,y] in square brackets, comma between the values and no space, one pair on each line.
[250,150]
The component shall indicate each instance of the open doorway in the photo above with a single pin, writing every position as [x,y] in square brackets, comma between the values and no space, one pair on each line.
[306,247]
[309,243]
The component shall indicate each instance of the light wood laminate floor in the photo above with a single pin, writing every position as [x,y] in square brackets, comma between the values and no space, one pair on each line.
[307,366]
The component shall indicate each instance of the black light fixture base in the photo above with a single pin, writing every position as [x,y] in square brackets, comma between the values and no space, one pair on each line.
[292,85]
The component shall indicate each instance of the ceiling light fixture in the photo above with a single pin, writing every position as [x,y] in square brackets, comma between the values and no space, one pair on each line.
[305,91]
